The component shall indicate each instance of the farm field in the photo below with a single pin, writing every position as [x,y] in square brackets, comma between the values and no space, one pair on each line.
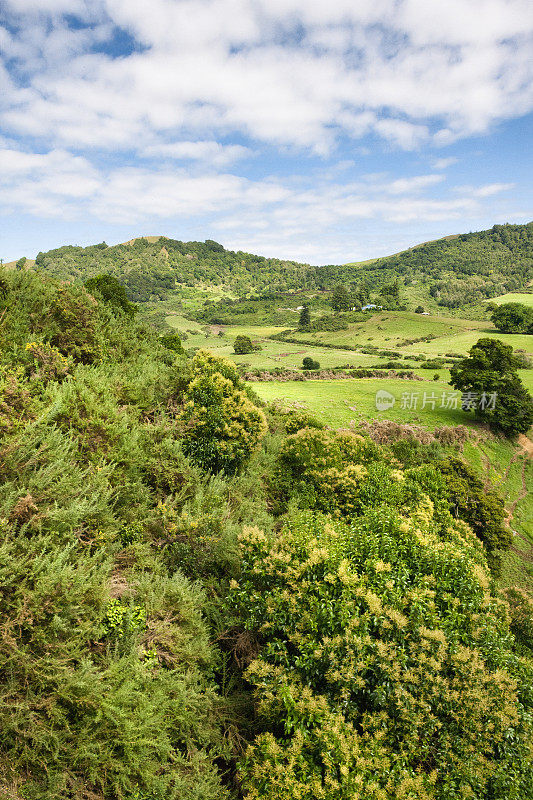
[389,329]
[461,342]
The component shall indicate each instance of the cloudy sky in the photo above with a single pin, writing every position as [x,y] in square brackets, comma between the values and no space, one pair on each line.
[320,130]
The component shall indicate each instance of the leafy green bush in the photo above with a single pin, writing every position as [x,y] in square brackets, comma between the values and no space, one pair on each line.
[481,507]
[513,318]
[385,668]
[222,427]
[309,363]
[111,291]
[243,345]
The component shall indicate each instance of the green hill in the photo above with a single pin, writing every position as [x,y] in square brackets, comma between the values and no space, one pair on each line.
[151,266]
[204,597]
[452,272]
[456,271]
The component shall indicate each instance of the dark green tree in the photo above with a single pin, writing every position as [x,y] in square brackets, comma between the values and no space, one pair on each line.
[172,342]
[391,290]
[513,318]
[243,345]
[492,388]
[111,291]
[482,508]
[310,363]
[305,317]
[340,299]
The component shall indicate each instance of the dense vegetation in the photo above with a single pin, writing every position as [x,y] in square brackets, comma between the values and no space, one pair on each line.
[454,271]
[205,598]
[150,269]
[513,318]
[457,270]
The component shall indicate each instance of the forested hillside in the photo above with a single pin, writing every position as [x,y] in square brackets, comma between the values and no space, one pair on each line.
[455,271]
[204,597]
[458,270]
[149,269]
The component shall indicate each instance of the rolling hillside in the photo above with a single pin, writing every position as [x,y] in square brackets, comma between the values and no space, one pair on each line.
[451,272]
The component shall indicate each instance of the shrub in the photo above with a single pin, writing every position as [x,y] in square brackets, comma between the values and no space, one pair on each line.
[385,669]
[482,508]
[111,291]
[513,318]
[309,363]
[171,341]
[243,345]
[222,427]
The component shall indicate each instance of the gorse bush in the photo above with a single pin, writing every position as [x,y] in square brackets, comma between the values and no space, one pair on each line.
[385,668]
[222,426]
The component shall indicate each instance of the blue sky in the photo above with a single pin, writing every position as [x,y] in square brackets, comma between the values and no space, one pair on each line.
[319,131]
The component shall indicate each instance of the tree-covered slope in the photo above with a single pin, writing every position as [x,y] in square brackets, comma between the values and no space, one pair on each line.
[150,267]
[456,270]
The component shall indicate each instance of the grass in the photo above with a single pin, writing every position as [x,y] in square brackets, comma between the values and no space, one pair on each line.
[273,353]
[390,329]
[513,297]
[339,402]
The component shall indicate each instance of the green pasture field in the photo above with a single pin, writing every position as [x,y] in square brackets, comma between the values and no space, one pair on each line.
[461,342]
[513,297]
[272,354]
[340,402]
[388,329]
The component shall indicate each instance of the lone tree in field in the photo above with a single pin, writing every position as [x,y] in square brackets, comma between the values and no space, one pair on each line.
[305,317]
[310,363]
[243,345]
[492,388]
[513,318]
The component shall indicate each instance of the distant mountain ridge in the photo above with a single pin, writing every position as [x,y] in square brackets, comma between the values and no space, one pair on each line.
[456,270]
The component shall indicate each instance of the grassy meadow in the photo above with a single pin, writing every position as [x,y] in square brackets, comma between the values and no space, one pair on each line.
[513,297]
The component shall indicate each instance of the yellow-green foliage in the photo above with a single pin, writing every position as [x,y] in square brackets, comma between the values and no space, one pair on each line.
[339,472]
[222,426]
[385,669]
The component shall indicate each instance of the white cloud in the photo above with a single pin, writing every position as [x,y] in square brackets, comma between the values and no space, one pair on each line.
[60,185]
[492,189]
[444,163]
[414,184]
[210,152]
[291,72]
